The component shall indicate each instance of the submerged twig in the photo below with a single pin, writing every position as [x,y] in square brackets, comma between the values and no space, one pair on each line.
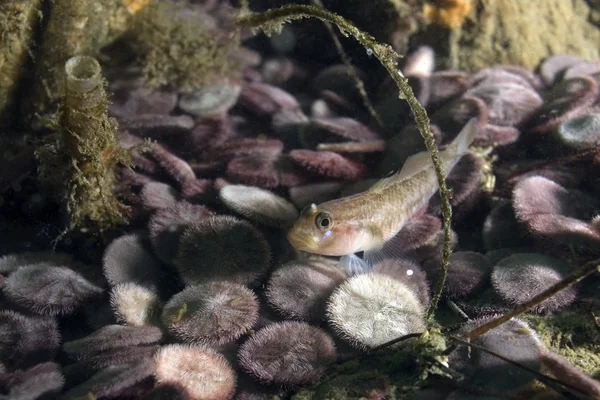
[360,86]
[271,21]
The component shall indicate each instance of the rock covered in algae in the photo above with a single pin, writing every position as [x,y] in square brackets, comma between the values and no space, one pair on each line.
[78,162]
[516,32]
[17,23]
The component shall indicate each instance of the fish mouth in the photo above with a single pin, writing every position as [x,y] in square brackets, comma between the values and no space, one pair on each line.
[300,242]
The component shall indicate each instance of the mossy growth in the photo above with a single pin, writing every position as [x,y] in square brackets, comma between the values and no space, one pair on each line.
[78,161]
[179,49]
[571,334]
[395,373]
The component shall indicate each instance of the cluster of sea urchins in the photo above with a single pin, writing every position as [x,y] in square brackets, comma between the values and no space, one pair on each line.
[207,300]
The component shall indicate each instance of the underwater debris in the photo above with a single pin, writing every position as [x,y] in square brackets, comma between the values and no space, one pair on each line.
[79,160]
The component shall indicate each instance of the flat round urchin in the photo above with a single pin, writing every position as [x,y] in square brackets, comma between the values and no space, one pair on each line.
[222,248]
[200,371]
[288,354]
[49,290]
[371,309]
[299,290]
[521,276]
[213,313]
[259,205]
[134,304]
[514,340]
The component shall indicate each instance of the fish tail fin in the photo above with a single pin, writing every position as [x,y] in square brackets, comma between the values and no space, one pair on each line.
[463,140]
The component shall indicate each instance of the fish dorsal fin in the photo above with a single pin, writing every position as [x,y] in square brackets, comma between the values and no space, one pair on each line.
[420,161]
[412,166]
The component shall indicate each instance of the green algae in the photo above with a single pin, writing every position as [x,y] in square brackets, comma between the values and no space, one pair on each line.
[397,374]
[180,52]
[17,24]
[571,334]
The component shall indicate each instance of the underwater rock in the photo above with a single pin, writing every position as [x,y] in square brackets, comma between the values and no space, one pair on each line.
[513,32]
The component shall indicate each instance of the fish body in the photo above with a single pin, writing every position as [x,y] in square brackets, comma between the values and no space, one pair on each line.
[367,221]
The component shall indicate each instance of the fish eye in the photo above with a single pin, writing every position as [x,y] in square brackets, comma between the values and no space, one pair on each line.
[323,221]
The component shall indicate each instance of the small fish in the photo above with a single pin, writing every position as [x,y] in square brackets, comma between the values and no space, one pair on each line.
[366,222]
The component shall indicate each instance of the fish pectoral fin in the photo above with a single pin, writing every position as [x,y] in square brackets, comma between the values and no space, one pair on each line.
[352,265]
[392,248]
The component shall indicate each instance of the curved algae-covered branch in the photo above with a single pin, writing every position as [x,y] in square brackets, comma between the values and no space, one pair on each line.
[271,21]
[360,86]
[79,161]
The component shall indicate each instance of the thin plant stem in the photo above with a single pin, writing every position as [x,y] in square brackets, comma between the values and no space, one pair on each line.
[360,86]
[577,276]
[271,21]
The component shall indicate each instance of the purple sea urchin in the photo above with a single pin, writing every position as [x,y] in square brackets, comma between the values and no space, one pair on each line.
[113,381]
[49,290]
[299,290]
[158,195]
[222,248]
[134,304]
[372,309]
[212,314]
[167,225]
[113,337]
[329,164]
[467,272]
[259,205]
[553,212]
[408,273]
[26,340]
[289,354]
[521,276]
[514,340]
[201,372]
[128,259]
[42,381]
